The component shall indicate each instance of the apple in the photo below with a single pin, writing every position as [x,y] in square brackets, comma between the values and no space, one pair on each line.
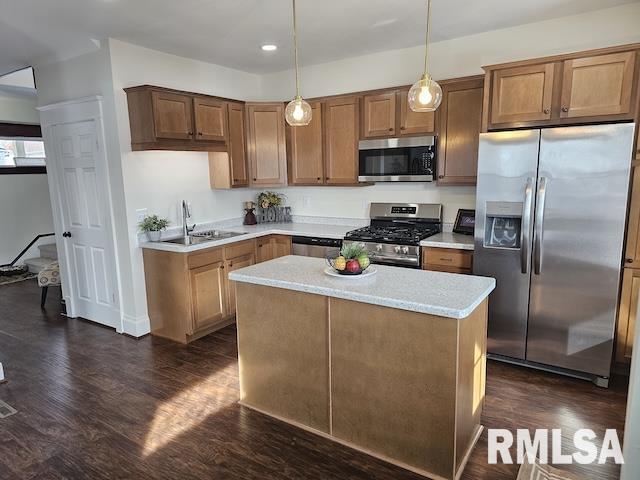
[352,266]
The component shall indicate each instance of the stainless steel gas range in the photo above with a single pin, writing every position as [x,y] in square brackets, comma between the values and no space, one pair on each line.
[395,231]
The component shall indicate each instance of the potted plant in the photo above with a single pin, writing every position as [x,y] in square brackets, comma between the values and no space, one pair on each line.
[153,225]
[270,199]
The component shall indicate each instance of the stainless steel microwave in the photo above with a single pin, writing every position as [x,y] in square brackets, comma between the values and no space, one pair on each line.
[411,159]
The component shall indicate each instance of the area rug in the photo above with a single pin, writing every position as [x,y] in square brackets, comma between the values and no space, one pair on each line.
[17,278]
[537,471]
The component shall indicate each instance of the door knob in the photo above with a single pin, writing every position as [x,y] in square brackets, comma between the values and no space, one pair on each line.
[66,234]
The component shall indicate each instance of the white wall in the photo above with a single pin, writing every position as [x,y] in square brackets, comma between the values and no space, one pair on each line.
[631,468]
[25,211]
[449,59]
[18,109]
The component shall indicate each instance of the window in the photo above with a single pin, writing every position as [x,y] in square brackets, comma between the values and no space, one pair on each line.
[16,152]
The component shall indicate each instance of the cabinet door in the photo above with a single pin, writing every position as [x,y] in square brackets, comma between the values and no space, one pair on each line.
[266,144]
[280,245]
[414,123]
[208,295]
[599,85]
[172,115]
[235,264]
[342,120]
[627,315]
[632,253]
[460,124]
[236,145]
[211,119]
[306,162]
[379,115]
[264,249]
[522,94]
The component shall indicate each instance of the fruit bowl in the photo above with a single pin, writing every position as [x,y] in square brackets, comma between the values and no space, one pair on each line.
[352,260]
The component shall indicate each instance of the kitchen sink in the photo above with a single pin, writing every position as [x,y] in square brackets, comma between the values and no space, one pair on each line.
[203,237]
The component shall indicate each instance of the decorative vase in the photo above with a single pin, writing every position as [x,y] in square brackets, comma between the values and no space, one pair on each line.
[250,217]
[154,235]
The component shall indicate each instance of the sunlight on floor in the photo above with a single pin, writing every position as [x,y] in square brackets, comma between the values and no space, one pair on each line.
[189,409]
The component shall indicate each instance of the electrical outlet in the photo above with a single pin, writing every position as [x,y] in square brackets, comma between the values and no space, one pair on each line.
[140,214]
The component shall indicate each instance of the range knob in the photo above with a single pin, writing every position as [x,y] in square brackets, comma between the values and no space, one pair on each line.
[379,247]
[405,250]
[396,249]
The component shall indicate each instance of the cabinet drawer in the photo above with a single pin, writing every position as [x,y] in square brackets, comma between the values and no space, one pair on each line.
[447,257]
[206,257]
[239,249]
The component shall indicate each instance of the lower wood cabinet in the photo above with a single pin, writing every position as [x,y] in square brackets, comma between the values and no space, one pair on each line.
[208,295]
[231,265]
[272,246]
[627,315]
[450,260]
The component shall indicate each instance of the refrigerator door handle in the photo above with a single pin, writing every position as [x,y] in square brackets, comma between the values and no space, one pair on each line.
[525,229]
[539,226]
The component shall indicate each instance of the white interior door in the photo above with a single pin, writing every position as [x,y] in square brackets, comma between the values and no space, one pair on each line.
[86,223]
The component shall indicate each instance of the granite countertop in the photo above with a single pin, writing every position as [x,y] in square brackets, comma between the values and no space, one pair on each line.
[435,293]
[449,240]
[254,231]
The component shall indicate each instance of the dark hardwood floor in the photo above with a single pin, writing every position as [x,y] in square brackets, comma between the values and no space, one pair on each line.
[98,405]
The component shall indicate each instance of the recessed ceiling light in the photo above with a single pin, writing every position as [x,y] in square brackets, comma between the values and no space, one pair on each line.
[269,47]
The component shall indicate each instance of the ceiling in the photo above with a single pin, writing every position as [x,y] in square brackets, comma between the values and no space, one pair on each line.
[230,32]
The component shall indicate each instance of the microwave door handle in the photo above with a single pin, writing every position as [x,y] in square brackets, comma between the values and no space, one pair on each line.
[525,228]
[538,235]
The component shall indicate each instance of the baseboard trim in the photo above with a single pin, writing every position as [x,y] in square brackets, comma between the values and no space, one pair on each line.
[136,327]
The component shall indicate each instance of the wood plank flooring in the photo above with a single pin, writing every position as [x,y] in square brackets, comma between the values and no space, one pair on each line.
[94,404]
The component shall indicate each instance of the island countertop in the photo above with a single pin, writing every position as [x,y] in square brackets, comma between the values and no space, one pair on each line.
[434,293]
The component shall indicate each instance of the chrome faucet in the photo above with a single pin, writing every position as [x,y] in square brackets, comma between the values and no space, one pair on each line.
[186,214]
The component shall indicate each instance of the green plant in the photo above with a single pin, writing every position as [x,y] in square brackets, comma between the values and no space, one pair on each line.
[153,223]
[271,199]
[353,251]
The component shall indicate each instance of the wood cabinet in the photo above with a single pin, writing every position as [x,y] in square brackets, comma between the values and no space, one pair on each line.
[379,115]
[597,85]
[305,150]
[266,146]
[165,119]
[586,87]
[627,315]
[450,260]
[413,123]
[342,132]
[237,255]
[522,94]
[460,125]
[208,295]
[229,169]
[210,119]
[272,246]
[632,251]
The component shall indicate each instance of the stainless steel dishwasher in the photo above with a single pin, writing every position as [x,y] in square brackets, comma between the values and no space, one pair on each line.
[315,246]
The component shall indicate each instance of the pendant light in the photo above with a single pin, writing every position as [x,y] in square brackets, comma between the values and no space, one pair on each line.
[298,111]
[425,95]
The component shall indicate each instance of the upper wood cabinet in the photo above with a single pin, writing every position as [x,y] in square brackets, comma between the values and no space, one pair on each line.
[229,169]
[210,118]
[266,146]
[379,115]
[172,115]
[342,132]
[596,86]
[460,123]
[522,94]
[164,119]
[305,150]
[413,123]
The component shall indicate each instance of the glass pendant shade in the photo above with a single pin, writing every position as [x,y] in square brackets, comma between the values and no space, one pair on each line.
[425,95]
[298,112]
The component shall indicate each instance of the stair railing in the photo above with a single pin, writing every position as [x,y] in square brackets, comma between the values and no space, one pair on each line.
[38,237]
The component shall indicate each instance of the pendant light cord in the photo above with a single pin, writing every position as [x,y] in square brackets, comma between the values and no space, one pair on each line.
[426,35]
[295,47]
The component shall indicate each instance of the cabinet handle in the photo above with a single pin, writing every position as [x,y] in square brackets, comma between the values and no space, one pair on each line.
[546,110]
[199,133]
[328,178]
[254,179]
[440,176]
[190,134]
[319,178]
[230,264]
[565,109]
[391,129]
[629,260]
[222,267]
[403,128]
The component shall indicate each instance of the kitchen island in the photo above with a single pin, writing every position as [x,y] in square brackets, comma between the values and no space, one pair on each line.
[392,365]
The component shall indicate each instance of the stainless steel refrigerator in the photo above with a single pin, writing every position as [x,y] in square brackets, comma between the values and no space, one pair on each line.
[550,221]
